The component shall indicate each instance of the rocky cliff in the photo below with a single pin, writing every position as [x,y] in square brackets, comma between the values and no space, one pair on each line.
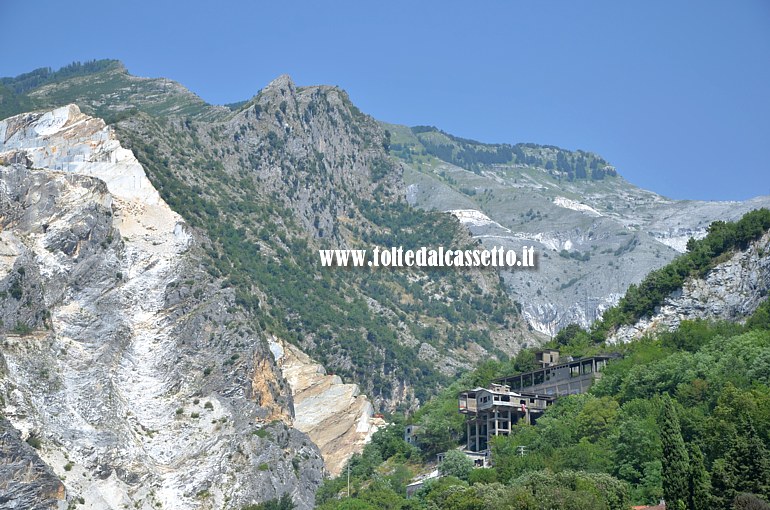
[595,233]
[336,416]
[730,291]
[25,480]
[296,169]
[141,378]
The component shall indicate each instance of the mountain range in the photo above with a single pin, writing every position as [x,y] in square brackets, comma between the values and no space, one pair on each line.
[160,276]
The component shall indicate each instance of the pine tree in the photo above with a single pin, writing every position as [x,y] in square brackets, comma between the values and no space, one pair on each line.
[676,468]
[721,486]
[750,502]
[747,463]
[700,490]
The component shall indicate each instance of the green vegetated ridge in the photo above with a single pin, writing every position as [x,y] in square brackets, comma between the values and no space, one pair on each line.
[39,77]
[268,182]
[683,415]
[102,88]
[13,97]
[418,144]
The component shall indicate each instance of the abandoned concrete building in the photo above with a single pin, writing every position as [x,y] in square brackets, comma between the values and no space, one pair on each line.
[547,358]
[494,411]
[411,432]
[558,378]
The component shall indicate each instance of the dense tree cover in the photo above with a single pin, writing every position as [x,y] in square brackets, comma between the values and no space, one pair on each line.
[456,464]
[685,414]
[473,155]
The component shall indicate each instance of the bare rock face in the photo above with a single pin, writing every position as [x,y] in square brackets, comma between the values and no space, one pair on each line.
[26,482]
[593,238]
[143,381]
[335,415]
[731,291]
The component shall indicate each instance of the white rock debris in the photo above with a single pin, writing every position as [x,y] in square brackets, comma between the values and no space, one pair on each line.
[731,291]
[576,206]
[474,218]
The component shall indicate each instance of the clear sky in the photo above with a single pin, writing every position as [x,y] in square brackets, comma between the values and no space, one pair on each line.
[675,94]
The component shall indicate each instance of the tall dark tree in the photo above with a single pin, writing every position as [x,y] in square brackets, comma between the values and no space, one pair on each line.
[747,463]
[700,487]
[722,487]
[676,469]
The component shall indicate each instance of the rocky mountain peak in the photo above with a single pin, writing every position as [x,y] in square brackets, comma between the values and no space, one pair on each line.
[290,172]
[65,139]
[283,84]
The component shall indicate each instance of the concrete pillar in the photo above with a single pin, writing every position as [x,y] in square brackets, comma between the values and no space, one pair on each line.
[468,435]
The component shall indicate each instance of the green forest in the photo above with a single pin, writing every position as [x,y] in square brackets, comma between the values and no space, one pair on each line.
[683,416]
[473,155]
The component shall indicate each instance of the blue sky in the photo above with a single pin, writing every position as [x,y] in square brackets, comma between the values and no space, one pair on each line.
[675,94]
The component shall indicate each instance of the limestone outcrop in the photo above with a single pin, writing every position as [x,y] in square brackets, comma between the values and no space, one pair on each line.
[335,415]
[134,368]
[730,291]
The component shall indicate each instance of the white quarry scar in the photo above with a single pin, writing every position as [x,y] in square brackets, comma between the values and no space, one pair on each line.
[65,141]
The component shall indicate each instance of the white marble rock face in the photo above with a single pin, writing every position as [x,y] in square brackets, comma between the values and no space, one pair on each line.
[732,291]
[103,381]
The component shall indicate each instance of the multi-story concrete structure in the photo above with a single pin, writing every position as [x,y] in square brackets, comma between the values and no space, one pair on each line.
[494,411]
[560,378]
[547,358]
